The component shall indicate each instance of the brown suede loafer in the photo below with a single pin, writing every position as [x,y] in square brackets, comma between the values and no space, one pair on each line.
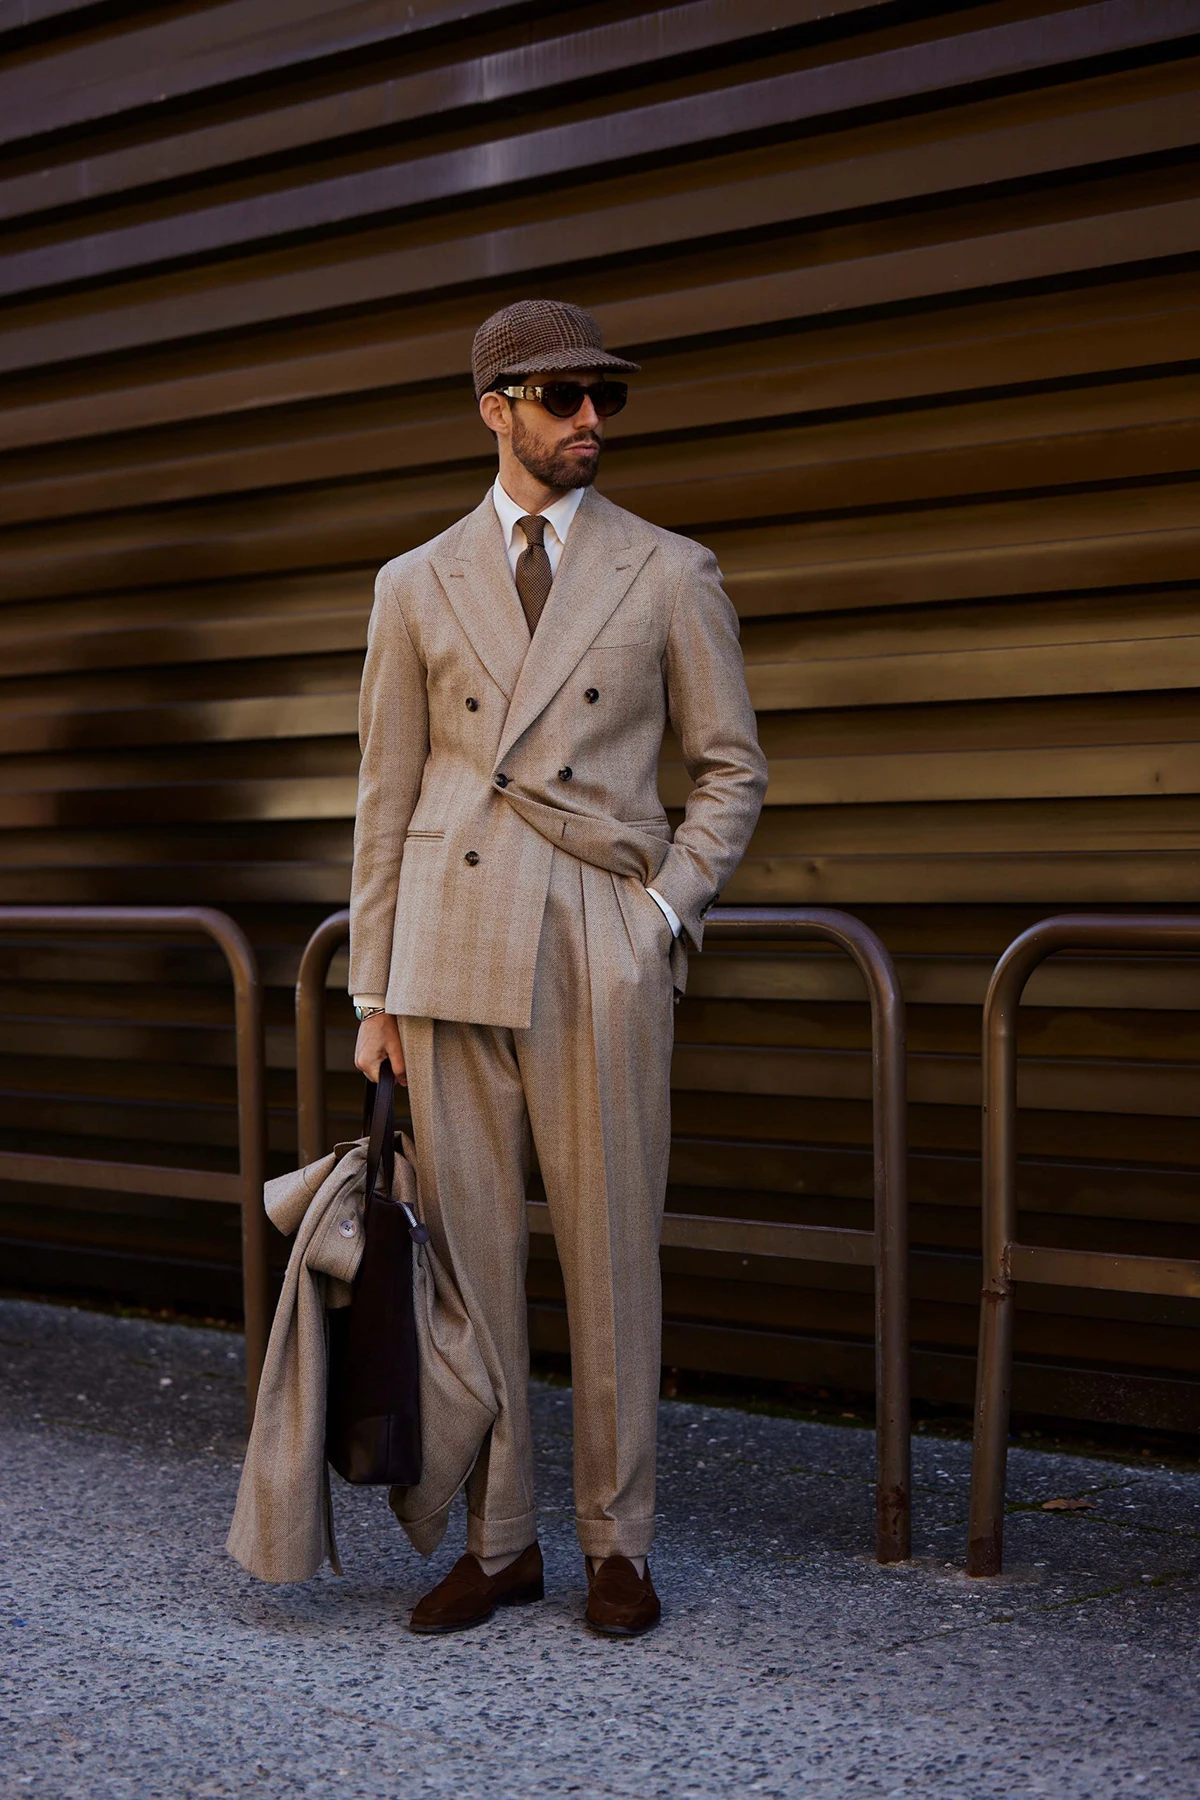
[466,1596]
[621,1603]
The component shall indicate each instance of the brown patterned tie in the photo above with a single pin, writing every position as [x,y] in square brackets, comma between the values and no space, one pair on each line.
[533,570]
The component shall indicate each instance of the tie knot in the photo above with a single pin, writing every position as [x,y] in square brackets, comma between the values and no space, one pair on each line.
[534,528]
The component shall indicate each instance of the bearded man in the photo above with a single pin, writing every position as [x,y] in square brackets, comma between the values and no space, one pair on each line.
[521,918]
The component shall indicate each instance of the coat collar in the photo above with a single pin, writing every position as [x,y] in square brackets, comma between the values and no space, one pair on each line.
[602,556]
[471,563]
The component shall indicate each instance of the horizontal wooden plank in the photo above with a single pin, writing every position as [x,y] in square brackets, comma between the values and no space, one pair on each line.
[1137,428]
[938,262]
[1039,772]
[1151,984]
[1085,1086]
[1064,830]
[748,1237]
[91,615]
[1048,879]
[969,550]
[1066,646]
[1025,337]
[283,716]
[360,105]
[18,17]
[997,52]
[126,1178]
[1085,1032]
[163,61]
[1068,722]
[1077,1268]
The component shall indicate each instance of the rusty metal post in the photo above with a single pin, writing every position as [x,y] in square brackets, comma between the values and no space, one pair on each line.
[893,1480]
[993,1389]
[893,1509]
[319,953]
[252,1122]
[993,1374]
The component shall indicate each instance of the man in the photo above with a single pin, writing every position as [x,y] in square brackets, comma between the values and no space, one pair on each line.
[520,918]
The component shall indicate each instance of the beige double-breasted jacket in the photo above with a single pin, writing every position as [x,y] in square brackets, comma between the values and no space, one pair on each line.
[482,752]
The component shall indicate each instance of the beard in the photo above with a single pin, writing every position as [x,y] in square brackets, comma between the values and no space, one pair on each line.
[554,467]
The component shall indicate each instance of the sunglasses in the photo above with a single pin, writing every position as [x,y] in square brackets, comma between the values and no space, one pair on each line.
[563,399]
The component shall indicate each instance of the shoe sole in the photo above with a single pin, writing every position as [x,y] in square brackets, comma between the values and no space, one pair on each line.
[621,1631]
[519,1597]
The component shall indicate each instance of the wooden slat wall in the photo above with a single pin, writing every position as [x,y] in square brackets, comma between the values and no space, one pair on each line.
[915,291]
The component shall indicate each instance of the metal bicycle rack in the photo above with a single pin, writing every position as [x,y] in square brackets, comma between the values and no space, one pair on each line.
[885,1247]
[1005,1260]
[245,1188]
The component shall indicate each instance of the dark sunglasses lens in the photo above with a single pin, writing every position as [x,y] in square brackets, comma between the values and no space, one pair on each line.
[608,397]
[564,398]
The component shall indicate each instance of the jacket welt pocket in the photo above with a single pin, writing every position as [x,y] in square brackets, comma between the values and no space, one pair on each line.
[432,837]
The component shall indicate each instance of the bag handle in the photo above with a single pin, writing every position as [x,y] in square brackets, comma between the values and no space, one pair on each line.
[379,1128]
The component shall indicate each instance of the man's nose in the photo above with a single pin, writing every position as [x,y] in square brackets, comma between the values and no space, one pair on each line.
[587,418]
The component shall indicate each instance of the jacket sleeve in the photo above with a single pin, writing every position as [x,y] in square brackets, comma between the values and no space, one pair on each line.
[393,731]
[711,712]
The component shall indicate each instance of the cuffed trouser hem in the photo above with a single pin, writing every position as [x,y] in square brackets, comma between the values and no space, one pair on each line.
[500,1537]
[599,1538]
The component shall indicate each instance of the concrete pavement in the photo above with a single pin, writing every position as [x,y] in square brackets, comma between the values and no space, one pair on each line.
[141,1662]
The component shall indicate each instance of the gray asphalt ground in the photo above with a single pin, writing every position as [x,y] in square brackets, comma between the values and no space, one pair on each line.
[142,1662]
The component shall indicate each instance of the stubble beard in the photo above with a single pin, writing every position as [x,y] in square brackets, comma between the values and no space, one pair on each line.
[555,468]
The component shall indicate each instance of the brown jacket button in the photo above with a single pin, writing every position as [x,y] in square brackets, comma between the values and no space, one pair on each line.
[565,774]
[501,780]
[472,703]
[471,857]
[591,695]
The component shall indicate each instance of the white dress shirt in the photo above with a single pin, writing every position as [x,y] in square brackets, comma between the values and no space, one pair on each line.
[558,517]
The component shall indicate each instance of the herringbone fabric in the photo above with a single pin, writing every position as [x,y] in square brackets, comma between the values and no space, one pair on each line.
[533,570]
[537,337]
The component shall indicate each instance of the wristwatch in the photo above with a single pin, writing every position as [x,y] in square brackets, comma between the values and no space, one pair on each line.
[367,1012]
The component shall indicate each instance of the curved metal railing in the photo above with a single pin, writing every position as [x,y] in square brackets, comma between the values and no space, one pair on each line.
[1006,1261]
[245,1189]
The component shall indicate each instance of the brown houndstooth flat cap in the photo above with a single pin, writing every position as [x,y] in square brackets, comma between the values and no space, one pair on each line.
[535,337]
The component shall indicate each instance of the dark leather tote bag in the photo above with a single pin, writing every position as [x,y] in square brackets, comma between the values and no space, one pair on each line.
[372,1415]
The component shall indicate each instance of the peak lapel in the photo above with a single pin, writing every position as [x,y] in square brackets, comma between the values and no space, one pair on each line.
[473,570]
[597,569]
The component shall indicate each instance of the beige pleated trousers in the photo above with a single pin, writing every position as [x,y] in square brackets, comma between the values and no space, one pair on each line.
[586,1085]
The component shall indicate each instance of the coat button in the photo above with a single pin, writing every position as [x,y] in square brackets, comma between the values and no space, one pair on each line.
[500,780]
[591,695]
[472,703]
[565,774]
[471,857]
[348,1227]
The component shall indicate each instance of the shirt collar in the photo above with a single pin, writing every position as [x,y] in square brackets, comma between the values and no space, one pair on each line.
[557,516]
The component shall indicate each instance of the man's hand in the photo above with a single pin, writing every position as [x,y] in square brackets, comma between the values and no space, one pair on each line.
[379,1042]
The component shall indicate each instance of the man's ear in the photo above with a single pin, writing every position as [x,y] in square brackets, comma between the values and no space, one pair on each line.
[495,413]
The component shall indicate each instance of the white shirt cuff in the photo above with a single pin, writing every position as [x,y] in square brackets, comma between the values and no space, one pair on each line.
[370,1000]
[668,912]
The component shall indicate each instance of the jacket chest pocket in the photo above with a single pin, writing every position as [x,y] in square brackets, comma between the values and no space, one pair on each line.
[626,675]
[631,627]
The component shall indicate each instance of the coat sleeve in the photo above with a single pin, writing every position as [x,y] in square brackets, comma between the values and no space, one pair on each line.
[393,730]
[711,712]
